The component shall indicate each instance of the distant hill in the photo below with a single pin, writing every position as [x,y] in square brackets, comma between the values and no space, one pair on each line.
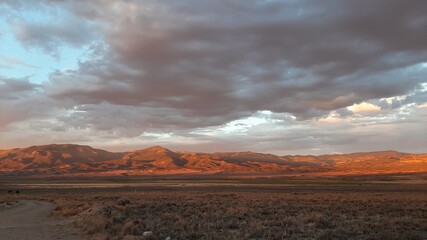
[76,160]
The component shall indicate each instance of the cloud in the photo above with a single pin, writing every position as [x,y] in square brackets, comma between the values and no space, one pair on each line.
[11,88]
[20,100]
[15,62]
[178,66]
[364,107]
[306,64]
[48,26]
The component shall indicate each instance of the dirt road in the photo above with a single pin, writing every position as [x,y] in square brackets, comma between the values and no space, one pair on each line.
[30,220]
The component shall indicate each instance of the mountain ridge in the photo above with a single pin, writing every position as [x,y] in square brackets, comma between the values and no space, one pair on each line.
[83,160]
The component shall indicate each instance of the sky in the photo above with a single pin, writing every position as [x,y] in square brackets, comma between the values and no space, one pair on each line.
[282,77]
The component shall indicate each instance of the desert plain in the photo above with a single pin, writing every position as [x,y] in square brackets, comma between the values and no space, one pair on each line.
[217,209]
[78,192]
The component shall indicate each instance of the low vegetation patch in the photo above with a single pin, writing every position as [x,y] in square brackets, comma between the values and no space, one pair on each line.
[244,212]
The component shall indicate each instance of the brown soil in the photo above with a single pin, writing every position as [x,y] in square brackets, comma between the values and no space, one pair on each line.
[27,219]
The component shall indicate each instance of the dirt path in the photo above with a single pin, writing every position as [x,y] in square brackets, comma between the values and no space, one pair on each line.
[29,220]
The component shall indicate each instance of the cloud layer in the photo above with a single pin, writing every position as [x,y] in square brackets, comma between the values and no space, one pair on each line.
[181,72]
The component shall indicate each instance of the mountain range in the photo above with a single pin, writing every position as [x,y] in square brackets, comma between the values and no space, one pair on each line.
[78,160]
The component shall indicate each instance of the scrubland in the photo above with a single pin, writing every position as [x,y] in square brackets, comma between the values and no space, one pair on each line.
[297,211]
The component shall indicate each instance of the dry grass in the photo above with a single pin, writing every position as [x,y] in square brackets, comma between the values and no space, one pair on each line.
[335,212]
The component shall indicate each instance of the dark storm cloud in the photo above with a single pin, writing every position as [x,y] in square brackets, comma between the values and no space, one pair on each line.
[215,58]
[19,100]
[186,64]
[11,88]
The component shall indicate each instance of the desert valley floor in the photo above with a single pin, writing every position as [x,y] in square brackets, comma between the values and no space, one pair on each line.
[224,209]
[78,192]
